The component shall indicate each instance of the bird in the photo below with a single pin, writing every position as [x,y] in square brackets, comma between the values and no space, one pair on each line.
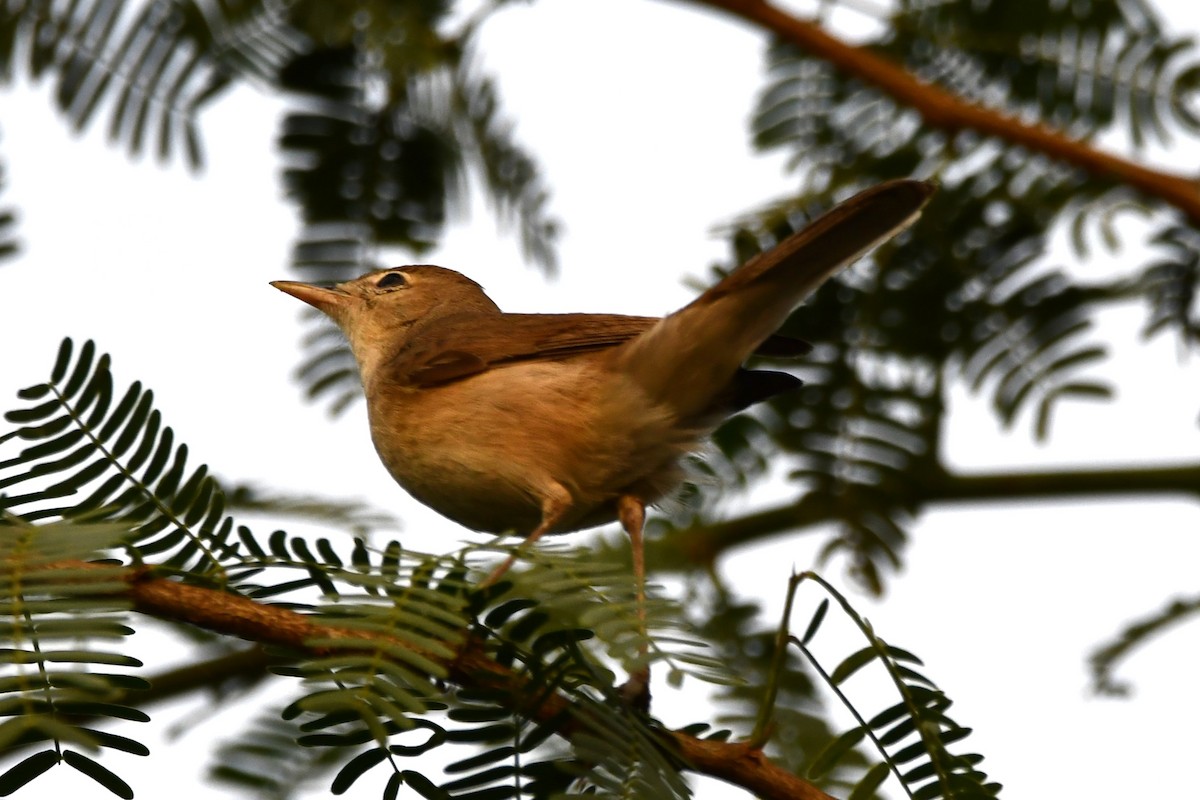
[540,424]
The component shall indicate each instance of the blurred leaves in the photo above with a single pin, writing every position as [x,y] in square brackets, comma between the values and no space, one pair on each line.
[1170,284]
[380,159]
[8,224]
[1105,659]
[391,113]
[967,295]
[154,64]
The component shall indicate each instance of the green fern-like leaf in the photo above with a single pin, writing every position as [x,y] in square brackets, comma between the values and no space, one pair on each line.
[1171,284]
[90,457]
[155,63]
[264,758]
[569,590]
[62,643]
[1032,345]
[797,726]
[375,685]
[913,735]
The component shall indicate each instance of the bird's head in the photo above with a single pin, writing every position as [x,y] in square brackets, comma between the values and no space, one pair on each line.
[378,311]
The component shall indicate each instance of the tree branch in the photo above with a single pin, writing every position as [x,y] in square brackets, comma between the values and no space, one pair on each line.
[948,112]
[239,671]
[739,763]
[699,546]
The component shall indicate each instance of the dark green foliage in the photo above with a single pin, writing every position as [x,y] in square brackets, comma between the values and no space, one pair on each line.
[1104,660]
[91,456]
[1078,68]
[264,758]
[1170,284]
[798,725]
[28,769]
[913,736]
[8,222]
[387,120]
[571,607]
[61,638]
[390,171]
[372,174]
[366,706]
[97,772]
[156,64]
[967,296]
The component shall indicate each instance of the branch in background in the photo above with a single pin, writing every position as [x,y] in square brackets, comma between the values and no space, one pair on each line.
[739,763]
[1104,660]
[950,113]
[238,671]
[699,547]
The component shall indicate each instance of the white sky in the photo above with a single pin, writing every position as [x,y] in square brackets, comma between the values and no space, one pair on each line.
[169,273]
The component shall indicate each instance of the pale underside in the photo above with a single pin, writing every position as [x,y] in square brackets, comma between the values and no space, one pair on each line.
[575,437]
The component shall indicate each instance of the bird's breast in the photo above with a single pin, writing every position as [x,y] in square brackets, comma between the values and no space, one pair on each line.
[488,450]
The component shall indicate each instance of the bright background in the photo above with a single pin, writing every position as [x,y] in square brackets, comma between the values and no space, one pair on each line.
[168,272]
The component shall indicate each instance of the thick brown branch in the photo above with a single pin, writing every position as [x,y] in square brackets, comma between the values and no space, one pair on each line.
[949,112]
[701,545]
[737,763]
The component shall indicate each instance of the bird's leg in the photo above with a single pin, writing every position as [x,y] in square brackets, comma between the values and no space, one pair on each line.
[553,508]
[499,571]
[632,513]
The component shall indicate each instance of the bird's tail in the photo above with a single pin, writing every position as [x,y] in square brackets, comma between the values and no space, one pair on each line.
[689,356]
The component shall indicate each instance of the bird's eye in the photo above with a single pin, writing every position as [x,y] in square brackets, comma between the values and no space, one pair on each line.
[391,280]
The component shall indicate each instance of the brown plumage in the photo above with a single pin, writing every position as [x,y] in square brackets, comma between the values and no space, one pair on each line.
[539,423]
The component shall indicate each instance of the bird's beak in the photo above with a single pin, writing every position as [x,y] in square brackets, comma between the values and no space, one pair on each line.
[327,301]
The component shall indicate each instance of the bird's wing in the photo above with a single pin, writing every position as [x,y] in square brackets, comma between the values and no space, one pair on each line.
[471,343]
[466,344]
